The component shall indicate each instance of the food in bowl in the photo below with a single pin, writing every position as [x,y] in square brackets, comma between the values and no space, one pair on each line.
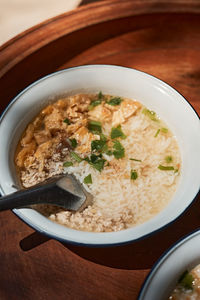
[188,286]
[113,80]
[121,151]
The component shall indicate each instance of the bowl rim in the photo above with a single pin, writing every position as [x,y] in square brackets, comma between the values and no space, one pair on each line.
[162,259]
[2,115]
[95,244]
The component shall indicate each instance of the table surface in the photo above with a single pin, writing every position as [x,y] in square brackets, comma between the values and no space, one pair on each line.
[35,267]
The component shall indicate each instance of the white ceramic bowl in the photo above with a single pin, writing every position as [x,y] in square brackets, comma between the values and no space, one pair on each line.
[153,93]
[162,279]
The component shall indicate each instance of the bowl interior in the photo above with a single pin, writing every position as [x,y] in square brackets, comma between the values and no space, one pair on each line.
[172,108]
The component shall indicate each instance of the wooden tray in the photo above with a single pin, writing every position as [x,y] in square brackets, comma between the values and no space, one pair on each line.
[158,37]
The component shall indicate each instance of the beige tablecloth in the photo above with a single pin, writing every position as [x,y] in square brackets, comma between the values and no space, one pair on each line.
[18,15]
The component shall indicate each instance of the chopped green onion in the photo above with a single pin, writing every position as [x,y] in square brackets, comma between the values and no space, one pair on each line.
[186,280]
[168,159]
[100,95]
[135,159]
[165,168]
[151,114]
[99,164]
[67,121]
[99,145]
[95,157]
[134,175]
[119,150]
[96,162]
[176,170]
[75,156]
[95,127]
[94,103]
[114,101]
[165,130]
[103,137]
[88,179]
[68,164]
[109,152]
[157,133]
[73,143]
[117,132]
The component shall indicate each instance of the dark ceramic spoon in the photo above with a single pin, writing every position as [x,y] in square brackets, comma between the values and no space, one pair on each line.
[64,191]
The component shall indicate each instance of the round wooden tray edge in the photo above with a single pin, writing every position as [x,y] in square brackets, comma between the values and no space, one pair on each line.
[38,36]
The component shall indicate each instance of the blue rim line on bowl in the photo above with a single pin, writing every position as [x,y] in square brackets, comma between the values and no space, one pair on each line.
[64,240]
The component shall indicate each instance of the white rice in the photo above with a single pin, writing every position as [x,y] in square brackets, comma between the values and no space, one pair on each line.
[120,202]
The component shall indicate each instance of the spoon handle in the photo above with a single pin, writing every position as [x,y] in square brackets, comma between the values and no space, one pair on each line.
[26,197]
[63,191]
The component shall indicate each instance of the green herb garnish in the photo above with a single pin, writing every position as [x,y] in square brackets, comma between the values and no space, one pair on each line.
[99,145]
[67,121]
[157,133]
[109,152]
[95,127]
[186,280]
[75,156]
[119,150]
[135,159]
[103,137]
[88,179]
[96,161]
[94,103]
[168,159]
[68,164]
[134,175]
[114,101]
[117,132]
[165,168]
[151,114]
[99,164]
[100,95]
[165,130]
[73,143]
[95,157]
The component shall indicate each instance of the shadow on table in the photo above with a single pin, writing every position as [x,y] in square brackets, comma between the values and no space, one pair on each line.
[141,254]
